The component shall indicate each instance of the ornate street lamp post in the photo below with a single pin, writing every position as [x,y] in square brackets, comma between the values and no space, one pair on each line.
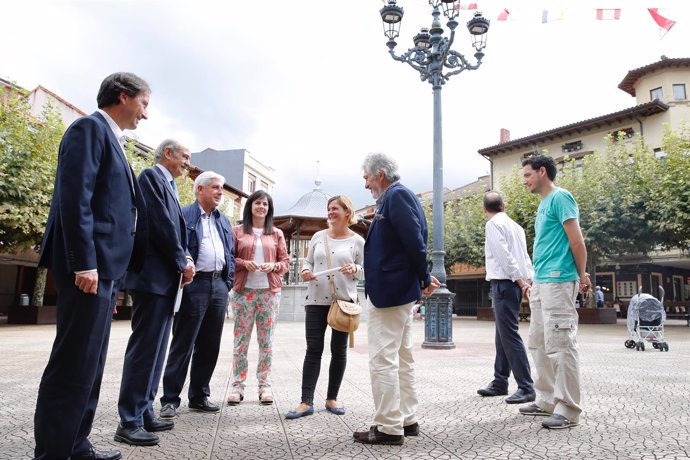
[432,57]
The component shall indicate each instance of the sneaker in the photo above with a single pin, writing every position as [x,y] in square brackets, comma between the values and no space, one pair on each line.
[168,411]
[533,409]
[557,422]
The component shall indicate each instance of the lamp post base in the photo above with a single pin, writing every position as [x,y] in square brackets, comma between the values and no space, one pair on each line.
[438,322]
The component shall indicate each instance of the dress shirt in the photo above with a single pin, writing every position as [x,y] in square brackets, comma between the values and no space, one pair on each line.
[211,255]
[119,134]
[505,249]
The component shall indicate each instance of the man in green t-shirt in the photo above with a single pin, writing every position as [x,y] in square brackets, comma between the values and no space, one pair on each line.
[559,258]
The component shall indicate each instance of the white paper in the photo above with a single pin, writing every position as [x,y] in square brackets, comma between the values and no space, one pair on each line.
[327,272]
[178,297]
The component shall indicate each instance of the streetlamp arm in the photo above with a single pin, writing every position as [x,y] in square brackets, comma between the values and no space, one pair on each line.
[417,58]
[458,62]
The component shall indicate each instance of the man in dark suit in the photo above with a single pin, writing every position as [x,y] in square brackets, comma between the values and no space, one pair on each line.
[198,326]
[154,289]
[396,276]
[96,217]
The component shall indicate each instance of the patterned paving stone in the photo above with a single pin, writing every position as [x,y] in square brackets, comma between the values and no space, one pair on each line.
[636,404]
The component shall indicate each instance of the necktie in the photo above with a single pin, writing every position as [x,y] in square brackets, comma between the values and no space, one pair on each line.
[174,187]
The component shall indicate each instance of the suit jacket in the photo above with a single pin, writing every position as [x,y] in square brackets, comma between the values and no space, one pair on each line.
[96,202]
[166,253]
[395,253]
[195,233]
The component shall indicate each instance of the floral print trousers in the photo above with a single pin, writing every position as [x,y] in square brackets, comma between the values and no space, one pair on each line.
[251,306]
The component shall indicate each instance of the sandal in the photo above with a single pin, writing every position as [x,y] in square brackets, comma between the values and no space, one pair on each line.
[265,396]
[235,398]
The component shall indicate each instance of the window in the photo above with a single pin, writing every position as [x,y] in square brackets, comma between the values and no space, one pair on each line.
[622,134]
[264,186]
[660,154]
[656,93]
[679,92]
[251,183]
[571,147]
[626,288]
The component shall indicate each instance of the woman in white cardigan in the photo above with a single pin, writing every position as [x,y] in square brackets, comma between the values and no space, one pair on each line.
[346,252]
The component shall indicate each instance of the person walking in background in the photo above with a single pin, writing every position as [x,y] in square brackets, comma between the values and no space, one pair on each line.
[600,296]
[509,270]
[261,258]
[97,217]
[198,326]
[154,290]
[559,256]
[346,251]
[397,275]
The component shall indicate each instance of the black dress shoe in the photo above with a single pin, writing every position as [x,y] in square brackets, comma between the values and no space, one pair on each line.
[374,436]
[412,430]
[135,436]
[94,454]
[521,397]
[491,391]
[203,406]
[157,424]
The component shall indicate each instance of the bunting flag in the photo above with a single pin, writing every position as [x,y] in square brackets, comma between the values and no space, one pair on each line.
[551,15]
[503,16]
[608,14]
[664,24]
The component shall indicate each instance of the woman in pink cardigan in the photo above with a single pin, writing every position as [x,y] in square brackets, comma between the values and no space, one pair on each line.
[261,257]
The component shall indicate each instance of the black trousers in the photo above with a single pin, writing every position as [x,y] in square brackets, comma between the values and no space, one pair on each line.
[152,317]
[71,383]
[197,330]
[315,329]
[510,350]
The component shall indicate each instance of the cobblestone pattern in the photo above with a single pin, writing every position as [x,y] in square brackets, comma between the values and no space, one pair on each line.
[636,403]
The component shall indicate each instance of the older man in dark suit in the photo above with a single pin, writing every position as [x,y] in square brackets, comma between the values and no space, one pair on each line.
[167,261]
[96,217]
[198,326]
[396,276]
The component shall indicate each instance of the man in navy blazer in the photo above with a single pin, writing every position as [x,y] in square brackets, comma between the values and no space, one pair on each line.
[396,276]
[96,217]
[198,326]
[154,290]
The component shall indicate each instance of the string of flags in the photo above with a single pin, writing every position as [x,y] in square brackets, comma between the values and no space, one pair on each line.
[665,24]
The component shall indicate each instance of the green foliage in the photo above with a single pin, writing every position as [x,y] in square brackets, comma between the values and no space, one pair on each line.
[673,198]
[464,223]
[28,160]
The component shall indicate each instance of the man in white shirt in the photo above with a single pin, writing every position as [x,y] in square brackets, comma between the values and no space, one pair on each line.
[198,326]
[509,270]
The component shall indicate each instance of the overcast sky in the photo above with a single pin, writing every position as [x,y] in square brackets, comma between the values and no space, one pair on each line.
[296,82]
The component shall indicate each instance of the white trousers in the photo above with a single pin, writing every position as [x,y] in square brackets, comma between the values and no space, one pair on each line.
[553,345]
[391,366]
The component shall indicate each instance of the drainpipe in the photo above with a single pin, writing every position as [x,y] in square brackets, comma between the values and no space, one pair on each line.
[491,171]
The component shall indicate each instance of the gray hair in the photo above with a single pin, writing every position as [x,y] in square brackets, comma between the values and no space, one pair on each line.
[375,162]
[168,143]
[121,82]
[204,178]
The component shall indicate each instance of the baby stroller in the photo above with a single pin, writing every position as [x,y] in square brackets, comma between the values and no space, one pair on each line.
[646,318]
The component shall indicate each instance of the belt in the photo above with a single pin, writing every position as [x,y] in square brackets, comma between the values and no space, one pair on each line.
[208,275]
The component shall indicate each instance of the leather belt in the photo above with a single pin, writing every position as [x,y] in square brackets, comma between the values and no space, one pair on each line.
[208,275]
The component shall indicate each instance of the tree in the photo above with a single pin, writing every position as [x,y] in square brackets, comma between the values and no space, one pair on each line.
[28,159]
[673,198]
[464,232]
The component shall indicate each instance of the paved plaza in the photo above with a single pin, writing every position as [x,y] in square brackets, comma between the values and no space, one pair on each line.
[637,404]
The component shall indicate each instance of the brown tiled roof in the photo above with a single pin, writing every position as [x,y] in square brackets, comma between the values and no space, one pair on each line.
[628,83]
[642,110]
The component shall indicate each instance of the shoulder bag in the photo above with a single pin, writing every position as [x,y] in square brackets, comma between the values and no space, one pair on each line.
[343,316]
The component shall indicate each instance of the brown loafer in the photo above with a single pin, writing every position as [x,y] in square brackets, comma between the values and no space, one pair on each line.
[374,436]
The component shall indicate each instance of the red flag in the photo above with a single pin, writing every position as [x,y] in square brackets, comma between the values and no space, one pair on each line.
[661,21]
[504,15]
[608,14]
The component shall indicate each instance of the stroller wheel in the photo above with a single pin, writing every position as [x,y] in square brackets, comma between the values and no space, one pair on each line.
[665,345]
[630,344]
[640,346]
[656,345]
